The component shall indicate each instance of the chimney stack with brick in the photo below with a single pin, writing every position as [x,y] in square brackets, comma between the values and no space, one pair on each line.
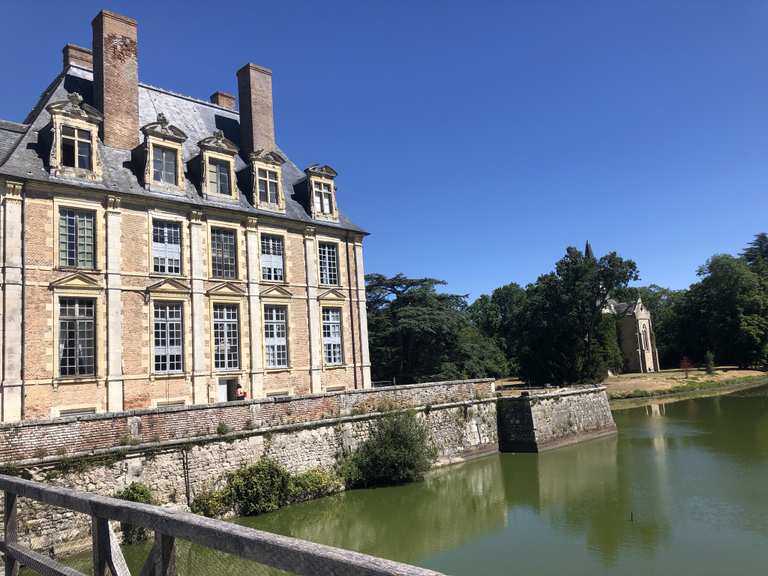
[223,99]
[116,78]
[257,124]
[77,56]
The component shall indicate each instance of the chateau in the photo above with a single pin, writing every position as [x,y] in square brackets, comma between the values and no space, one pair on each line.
[636,336]
[162,250]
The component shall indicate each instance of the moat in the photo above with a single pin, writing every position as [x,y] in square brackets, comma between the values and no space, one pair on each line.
[680,489]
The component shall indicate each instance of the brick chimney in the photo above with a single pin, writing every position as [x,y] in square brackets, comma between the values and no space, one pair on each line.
[257,124]
[223,99]
[77,56]
[116,78]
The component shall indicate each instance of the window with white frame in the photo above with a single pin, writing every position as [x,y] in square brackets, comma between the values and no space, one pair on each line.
[164,164]
[76,148]
[329,263]
[76,238]
[219,177]
[169,337]
[276,336]
[272,258]
[332,336]
[166,247]
[269,190]
[226,337]
[223,253]
[77,337]
[323,194]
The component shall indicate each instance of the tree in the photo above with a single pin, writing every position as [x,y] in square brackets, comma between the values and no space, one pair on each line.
[417,334]
[756,254]
[566,339]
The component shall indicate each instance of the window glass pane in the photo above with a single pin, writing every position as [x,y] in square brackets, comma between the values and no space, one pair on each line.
[328,259]
[275,336]
[226,336]
[76,239]
[223,253]
[68,152]
[166,247]
[332,350]
[272,257]
[77,350]
[164,165]
[168,337]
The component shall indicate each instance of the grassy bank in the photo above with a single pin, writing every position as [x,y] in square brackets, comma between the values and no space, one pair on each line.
[690,388]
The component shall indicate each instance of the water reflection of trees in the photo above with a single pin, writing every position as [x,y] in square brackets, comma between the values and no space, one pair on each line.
[406,523]
[588,489]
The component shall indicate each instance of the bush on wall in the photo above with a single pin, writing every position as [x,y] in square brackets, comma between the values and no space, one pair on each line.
[135,492]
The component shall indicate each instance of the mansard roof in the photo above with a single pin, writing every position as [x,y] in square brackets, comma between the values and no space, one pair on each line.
[22,155]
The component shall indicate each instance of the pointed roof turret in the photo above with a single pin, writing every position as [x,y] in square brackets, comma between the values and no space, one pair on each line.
[588,251]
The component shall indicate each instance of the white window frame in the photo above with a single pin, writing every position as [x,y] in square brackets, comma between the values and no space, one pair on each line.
[235,268]
[268,176]
[77,139]
[165,352]
[333,349]
[163,252]
[84,327]
[328,271]
[276,350]
[67,212]
[226,336]
[215,166]
[272,257]
[170,150]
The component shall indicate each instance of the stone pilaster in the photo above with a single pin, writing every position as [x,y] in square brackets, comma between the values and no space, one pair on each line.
[313,307]
[253,250]
[13,388]
[365,356]
[115,392]
[198,273]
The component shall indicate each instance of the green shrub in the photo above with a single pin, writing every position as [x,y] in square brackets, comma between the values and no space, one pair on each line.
[397,451]
[211,503]
[135,492]
[314,483]
[222,429]
[262,487]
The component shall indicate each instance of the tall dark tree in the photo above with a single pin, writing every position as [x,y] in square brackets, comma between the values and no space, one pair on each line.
[756,254]
[565,334]
[418,334]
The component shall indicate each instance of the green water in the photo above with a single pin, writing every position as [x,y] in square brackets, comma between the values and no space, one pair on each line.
[682,489]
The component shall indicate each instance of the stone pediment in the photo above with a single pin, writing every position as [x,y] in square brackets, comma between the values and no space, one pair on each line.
[218,143]
[332,294]
[276,292]
[267,157]
[226,289]
[76,281]
[168,286]
[323,171]
[164,130]
[74,107]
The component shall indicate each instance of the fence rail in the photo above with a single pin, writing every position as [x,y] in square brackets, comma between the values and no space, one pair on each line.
[282,552]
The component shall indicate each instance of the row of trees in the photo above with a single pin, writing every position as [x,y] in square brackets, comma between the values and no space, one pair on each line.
[555,331]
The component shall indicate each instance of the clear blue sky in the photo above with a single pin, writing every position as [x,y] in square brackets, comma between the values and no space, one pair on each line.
[475,141]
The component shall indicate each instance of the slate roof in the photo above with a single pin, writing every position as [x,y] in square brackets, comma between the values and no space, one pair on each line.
[22,157]
[622,308]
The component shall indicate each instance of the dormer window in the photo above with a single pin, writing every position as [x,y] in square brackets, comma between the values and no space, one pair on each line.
[217,156]
[74,127]
[323,197]
[267,186]
[163,154]
[76,148]
[322,192]
[164,167]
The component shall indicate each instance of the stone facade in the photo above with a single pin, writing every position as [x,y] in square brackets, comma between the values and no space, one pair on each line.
[637,338]
[178,453]
[545,419]
[115,182]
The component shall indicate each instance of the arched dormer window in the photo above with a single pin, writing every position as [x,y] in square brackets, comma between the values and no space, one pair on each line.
[322,192]
[75,128]
[217,159]
[266,168]
[163,166]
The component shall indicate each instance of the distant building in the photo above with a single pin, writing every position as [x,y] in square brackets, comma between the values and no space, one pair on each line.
[636,336]
[162,250]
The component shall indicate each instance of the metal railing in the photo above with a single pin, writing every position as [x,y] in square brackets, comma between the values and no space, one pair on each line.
[281,552]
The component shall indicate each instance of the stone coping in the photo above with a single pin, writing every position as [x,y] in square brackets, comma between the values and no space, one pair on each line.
[256,401]
[544,393]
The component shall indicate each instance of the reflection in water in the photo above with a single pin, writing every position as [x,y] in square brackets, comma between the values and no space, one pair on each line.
[682,488]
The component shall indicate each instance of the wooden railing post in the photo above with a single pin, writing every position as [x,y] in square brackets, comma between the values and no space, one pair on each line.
[162,558]
[100,538]
[11,533]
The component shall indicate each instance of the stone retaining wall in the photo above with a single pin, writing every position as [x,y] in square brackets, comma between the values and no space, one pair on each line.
[545,419]
[178,453]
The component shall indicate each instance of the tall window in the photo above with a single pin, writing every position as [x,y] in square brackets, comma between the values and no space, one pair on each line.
[166,247]
[646,344]
[329,263]
[226,337]
[76,233]
[77,348]
[276,336]
[223,253]
[272,257]
[332,336]
[164,164]
[169,337]
[218,177]
[76,148]
[268,186]
[323,198]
